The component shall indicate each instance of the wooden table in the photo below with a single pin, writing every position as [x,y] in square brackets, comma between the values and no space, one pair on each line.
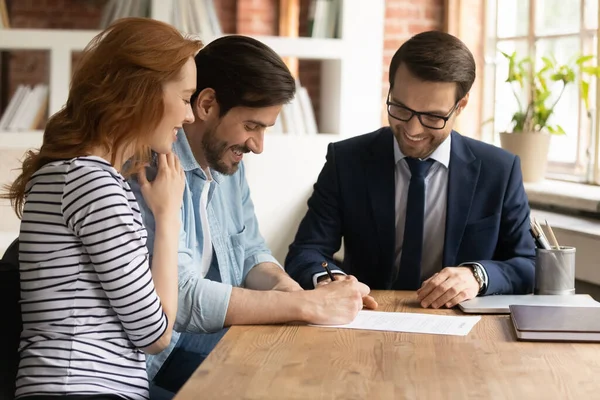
[302,362]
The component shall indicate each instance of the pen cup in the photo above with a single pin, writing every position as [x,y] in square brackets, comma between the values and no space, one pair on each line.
[555,271]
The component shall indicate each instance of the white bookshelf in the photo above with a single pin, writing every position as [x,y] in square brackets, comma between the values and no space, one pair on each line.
[350,103]
[351,66]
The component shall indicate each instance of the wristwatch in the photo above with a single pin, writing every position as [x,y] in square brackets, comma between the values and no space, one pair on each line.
[479,275]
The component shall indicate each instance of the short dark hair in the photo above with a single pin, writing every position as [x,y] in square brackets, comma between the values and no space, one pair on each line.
[243,72]
[436,57]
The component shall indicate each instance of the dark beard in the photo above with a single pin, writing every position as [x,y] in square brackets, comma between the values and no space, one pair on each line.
[215,150]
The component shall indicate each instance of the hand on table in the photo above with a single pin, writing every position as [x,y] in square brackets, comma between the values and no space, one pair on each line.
[448,287]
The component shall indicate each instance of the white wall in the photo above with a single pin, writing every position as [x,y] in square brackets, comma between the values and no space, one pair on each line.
[281,180]
[587,267]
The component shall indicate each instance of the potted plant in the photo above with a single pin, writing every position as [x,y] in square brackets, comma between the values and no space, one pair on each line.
[531,131]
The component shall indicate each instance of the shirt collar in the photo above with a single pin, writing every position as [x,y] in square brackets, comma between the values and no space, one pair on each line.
[188,162]
[441,154]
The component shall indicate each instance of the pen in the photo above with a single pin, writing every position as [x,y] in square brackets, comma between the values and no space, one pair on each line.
[326,266]
[552,237]
[538,244]
[539,237]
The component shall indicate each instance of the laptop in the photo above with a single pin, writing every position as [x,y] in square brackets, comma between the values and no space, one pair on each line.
[499,304]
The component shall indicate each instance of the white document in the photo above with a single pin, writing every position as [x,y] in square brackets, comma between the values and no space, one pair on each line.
[411,322]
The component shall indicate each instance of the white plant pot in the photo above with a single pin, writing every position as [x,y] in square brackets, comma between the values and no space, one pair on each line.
[532,148]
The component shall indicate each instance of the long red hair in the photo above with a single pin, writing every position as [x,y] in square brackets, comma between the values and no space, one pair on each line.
[115,98]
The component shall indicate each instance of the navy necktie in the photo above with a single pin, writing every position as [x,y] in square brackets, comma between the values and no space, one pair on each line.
[409,273]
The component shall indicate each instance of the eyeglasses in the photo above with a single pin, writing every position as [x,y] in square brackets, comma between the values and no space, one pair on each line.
[428,120]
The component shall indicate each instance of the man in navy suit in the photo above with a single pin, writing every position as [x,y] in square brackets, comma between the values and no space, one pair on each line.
[419,206]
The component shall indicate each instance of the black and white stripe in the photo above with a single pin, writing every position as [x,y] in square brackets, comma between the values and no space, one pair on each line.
[88,300]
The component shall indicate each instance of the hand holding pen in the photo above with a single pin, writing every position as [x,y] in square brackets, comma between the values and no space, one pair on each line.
[368,301]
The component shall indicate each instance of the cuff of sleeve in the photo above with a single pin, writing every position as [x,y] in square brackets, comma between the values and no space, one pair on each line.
[209,310]
[256,259]
[320,274]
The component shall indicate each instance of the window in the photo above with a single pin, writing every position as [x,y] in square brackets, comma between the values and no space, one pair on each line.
[535,29]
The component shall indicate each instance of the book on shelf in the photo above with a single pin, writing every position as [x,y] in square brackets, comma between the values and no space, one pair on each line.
[116,9]
[197,17]
[4,21]
[323,18]
[297,117]
[310,123]
[26,108]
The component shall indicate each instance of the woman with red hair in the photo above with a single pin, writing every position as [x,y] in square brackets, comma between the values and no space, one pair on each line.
[91,305]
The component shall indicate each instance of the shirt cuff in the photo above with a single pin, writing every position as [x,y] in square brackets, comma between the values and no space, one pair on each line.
[203,308]
[256,259]
[320,274]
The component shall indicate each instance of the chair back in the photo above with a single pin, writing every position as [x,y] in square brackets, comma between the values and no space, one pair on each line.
[11,319]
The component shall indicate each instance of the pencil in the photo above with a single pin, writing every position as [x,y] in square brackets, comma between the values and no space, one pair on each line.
[326,266]
[552,237]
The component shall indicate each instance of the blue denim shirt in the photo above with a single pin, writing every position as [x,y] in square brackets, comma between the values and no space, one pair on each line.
[237,244]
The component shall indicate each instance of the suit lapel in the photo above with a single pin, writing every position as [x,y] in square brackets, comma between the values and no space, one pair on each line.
[379,167]
[462,180]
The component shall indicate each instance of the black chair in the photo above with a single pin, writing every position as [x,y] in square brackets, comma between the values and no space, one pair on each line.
[11,319]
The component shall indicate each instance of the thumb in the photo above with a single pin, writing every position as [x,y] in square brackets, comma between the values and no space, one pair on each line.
[370,303]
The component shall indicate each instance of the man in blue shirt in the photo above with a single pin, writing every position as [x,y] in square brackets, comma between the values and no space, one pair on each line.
[227,275]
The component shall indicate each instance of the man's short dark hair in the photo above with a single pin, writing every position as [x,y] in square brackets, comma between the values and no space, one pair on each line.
[436,57]
[243,72]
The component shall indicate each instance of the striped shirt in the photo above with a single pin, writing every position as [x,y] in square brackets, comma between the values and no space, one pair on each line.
[88,300]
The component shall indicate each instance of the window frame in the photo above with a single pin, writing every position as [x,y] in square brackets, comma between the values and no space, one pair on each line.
[585,169]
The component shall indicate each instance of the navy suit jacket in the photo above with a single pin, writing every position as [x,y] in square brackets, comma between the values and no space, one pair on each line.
[487,218]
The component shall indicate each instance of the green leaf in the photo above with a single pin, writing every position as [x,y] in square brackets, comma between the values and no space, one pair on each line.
[518,120]
[548,64]
[560,130]
[591,70]
[585,92]
[583,59]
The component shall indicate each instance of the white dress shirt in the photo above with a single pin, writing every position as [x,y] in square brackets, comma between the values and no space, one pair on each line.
[207,251]
[436,191]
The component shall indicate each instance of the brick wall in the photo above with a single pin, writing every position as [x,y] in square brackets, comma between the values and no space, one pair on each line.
[227,12]
[403,19]
[257,17]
